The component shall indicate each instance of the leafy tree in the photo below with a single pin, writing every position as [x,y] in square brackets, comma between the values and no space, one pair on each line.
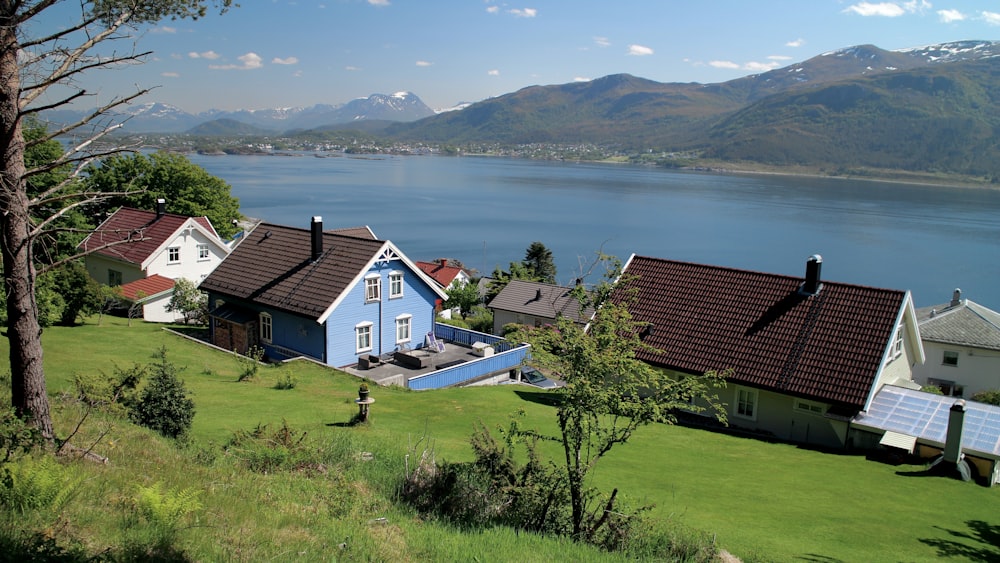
[188,301]
[81,293]
[609,393]
[464,296]
[35,62]
[163,404]
[187,188]
[538,259]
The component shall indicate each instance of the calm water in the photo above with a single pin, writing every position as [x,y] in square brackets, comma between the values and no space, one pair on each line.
[486,211]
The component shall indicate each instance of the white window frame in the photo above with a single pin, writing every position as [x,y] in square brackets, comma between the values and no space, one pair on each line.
[363,328]
[173,255]
[746,396]
[404,322]
[897,343]
[810,407]
[950,354]
[203,252]
[266,323]
[373,288]
[395,285]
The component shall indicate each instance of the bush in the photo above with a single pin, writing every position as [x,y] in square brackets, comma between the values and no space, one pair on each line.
[33,484]
[990,397]
[163,405]
[286,381]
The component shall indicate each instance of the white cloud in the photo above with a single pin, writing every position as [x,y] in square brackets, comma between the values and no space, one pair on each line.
[582,79]
[424,63]
[379,2]
[949,16]
[210,55]
[888,9]
[602,41]
[164,29]
[723,64]
[351,68]
[493,10]
[170,75]
[991,18]
[525,13]
[287,61]
[493,72]
[779,58]
[797,43]
[760,67]
[639,50]
[251,61]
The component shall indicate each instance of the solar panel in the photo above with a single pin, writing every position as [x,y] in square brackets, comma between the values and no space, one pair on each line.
[925,416]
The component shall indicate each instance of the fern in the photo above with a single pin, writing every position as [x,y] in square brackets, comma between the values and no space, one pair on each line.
[30,484]
[165,510]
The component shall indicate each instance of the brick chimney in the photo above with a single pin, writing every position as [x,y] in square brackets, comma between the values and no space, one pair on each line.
[444,262]
[316,233]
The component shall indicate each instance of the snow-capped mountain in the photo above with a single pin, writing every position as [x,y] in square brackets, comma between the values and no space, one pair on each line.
[156,117]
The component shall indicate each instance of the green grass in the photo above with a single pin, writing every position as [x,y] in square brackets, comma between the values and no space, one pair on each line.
[763,502]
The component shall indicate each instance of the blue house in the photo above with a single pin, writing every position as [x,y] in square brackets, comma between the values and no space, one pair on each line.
[334,296]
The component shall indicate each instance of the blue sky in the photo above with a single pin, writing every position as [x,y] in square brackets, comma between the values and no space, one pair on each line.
[282,53]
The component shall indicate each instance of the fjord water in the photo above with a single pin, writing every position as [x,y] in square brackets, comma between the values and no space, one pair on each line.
[486,211]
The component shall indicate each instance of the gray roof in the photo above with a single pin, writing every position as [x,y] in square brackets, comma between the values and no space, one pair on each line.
[964,323]
[541,300]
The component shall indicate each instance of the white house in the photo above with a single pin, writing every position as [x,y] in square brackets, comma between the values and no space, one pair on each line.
[138,250]
[962,342]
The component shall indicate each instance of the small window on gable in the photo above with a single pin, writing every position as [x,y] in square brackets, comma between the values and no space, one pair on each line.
[203,252]
[174,254]
[897,343]
[746,403]
[373,288]
[395,285]
[114,278]
[363,333]
[950,358]
[266,329]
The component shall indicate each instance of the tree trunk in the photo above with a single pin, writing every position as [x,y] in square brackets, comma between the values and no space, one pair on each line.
[28,394]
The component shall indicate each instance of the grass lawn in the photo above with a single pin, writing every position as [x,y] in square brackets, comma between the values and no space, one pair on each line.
[763,501]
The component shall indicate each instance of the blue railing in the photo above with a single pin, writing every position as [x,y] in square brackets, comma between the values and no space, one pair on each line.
[507,357]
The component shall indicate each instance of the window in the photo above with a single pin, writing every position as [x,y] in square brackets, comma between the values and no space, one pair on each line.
[809,407]
[897,343]
[203,252]
[948,388]
[746,403]
[364,336]
[403,328]
[950,358]
[174,254]
[114,278]
[265,328]
[373,288]
[395,285]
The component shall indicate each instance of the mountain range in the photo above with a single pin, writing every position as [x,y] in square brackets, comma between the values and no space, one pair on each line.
[928,109]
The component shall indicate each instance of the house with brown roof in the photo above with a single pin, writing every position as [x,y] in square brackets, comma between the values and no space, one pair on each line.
[806,354]
[535,304]
[143,252]
[962,342]
[333,296]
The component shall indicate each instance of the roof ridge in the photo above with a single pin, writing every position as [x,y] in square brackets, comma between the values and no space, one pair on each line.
[978,310]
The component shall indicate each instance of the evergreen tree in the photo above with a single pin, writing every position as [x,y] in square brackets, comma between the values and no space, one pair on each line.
[538,259]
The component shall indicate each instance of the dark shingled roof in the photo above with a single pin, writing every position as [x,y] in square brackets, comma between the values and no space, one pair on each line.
[274,267]
[827,346]
[147,231]
[539,300]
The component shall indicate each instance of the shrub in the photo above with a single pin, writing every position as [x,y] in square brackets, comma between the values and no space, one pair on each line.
[990,397]
[250,364]
[286,381]
[33,484]
[163,405]
[16,436]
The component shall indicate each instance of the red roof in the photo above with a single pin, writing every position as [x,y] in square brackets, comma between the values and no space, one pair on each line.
[150,286]
[827,346]
[442,274]
[147,231]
